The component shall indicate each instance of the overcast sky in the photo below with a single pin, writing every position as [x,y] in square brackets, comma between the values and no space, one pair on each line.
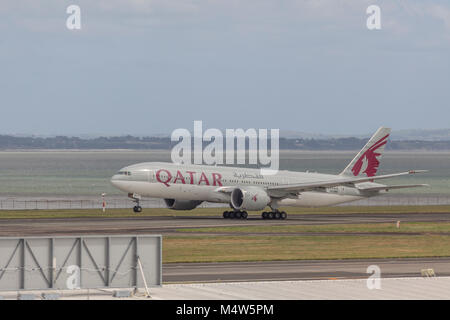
[150,66]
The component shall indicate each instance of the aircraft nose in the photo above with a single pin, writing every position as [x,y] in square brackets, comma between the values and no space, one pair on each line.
[114,180]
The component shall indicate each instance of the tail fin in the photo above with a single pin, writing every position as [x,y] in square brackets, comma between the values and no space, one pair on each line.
[367,161]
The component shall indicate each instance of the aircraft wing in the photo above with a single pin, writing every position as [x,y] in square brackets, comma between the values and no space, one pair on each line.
[402,186]
[296,188]
[225,189]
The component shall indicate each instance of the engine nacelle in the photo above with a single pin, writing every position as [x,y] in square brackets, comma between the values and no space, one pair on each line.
[182,204]
[251,198]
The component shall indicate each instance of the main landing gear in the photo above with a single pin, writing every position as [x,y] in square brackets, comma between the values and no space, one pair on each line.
[278,215]
[136,198]
[272,215]
[235,214]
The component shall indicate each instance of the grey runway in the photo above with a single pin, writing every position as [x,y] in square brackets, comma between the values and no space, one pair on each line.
[243,271]
[301,270]
[170,224]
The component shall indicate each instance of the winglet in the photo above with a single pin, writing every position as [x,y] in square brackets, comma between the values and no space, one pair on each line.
[417,171]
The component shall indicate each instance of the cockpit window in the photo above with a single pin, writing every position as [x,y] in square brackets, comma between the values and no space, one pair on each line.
[124,173]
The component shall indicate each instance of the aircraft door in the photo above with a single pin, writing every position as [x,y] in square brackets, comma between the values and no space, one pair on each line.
[151,176]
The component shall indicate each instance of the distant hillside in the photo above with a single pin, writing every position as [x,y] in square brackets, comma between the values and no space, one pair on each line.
[400,135]
[164,143]
[422,135]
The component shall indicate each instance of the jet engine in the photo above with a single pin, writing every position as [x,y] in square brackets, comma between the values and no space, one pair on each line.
[250,198]
[182,204]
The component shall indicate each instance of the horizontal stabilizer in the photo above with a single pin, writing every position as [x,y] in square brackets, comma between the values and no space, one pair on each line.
[337,182]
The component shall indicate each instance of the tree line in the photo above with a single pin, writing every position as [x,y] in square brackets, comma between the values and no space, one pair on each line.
[8,142]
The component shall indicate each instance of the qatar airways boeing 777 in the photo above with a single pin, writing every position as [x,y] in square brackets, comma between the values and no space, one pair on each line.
[184,187]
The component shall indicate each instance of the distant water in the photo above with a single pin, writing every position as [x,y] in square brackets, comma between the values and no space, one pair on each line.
[87,173]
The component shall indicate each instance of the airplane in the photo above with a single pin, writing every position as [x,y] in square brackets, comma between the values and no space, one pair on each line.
[185,187]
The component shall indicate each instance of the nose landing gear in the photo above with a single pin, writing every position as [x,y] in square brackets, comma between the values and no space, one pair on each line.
[135,198]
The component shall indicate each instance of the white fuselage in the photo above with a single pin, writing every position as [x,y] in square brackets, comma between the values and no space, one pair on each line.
[202,182]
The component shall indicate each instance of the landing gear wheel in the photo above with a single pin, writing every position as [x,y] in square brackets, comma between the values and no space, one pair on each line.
[238,214]
[135,198]
[226,214]
[232,215]
[244,215]
[278,215]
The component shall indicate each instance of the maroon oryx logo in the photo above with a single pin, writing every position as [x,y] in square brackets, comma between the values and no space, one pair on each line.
[254,198]
[368,163]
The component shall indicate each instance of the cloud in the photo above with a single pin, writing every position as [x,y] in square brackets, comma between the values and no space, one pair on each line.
[441,13]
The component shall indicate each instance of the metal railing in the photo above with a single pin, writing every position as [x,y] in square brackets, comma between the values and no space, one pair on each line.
[55,204]
[48,204]
[74,262]
[118,203]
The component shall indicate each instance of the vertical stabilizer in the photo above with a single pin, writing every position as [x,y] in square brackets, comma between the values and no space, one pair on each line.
[367,160]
